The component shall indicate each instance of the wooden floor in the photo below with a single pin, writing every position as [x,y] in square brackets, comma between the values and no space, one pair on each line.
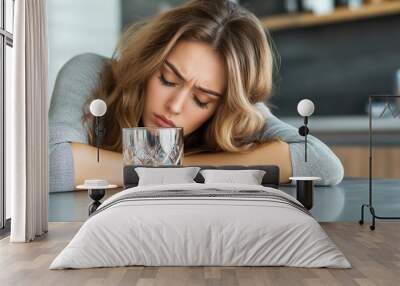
[374,255]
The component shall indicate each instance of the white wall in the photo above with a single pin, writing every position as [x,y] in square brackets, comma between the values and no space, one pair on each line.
[80,26]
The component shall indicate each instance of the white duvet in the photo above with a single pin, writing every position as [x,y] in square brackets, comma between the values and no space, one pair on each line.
[185,231]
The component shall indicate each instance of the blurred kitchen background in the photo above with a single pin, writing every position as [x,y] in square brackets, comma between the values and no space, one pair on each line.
[334,52]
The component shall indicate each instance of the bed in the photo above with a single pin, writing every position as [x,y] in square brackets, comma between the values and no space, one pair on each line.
[201,224]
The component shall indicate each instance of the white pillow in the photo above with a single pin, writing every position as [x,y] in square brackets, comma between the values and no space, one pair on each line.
[248,177]
[162,176]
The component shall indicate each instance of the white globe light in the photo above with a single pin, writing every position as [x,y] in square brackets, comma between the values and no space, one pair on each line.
[305,107]
[98,107]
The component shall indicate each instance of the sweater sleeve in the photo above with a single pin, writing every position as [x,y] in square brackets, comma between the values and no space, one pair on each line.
[74,83]
[321,161]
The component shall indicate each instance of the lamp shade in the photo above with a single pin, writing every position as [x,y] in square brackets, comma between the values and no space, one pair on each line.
[98,107]
[305,107]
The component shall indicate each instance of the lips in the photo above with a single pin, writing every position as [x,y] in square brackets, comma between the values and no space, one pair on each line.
[163,121]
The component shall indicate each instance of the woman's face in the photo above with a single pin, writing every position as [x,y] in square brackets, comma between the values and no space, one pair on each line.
[187,89]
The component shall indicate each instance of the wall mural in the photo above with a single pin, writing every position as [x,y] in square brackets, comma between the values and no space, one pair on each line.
[216,76]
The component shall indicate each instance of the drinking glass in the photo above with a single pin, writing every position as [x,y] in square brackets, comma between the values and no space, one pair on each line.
[152,146]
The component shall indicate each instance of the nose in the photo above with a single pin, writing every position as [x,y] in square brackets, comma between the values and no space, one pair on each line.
[176,103]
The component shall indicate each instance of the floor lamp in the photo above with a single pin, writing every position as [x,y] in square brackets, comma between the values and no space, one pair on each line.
[394,114]
[305,185]
[97,188]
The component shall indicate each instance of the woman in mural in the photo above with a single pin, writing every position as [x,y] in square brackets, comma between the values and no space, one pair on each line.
[205,66]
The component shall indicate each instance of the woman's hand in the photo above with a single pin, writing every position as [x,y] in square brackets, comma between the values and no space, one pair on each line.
[269,153]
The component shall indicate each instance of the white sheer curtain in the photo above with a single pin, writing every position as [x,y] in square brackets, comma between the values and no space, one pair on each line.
[26,129]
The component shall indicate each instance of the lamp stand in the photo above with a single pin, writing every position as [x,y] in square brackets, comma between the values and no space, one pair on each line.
[303,131]
[96,195]
[370,205]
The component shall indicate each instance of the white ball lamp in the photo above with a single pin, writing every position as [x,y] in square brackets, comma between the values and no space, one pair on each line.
[98,108]
[97,187]
[305,185]
[305,108]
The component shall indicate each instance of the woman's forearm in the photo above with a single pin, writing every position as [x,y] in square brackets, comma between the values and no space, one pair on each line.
[109,167]
[269,153]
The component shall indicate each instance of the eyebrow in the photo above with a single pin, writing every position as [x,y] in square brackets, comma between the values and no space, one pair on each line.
[176,71]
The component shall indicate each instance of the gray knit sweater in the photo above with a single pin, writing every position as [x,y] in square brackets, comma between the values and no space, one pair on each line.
[79,76]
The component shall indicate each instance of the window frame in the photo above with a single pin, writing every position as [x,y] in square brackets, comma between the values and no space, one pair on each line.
[6,39]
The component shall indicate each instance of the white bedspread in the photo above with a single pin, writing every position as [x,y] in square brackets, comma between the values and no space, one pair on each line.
[182,231]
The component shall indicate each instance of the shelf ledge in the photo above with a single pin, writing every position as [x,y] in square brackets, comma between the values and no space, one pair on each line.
[292,21]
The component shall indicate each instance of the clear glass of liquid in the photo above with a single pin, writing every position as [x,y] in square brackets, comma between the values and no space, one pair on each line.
[152,146]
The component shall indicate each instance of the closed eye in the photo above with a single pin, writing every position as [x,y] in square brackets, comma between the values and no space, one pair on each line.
[200,103]
[166,82]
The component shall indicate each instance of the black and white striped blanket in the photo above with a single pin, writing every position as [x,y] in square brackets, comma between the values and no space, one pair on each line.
[205,194]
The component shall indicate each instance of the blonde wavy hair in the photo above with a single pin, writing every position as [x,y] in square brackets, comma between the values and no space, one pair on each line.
[232,31]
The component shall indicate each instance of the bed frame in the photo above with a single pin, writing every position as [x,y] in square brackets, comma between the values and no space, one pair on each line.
[131,178]
[270,179]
